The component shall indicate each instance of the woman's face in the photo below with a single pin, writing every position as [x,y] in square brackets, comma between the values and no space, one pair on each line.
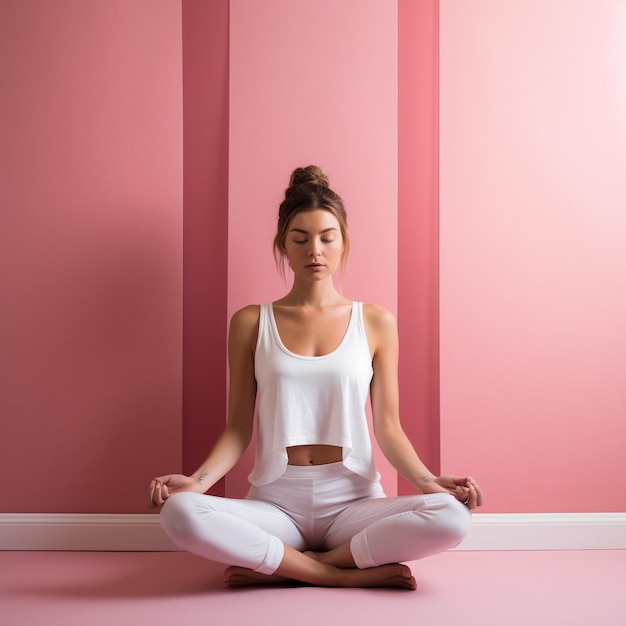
[314,244]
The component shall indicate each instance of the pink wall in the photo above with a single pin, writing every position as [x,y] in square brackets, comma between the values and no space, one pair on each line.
[205,101]
[90,232]
[533,251]
[313,82]
[418,237]
[532,151]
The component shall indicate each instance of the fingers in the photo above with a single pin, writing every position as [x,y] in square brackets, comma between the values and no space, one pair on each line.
[462,493]
[465,490]
[157,493]
[151,501]
[473,485]
[472,497]
[474,494]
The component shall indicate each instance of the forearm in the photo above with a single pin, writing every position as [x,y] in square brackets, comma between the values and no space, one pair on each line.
[399,451]
[228,449]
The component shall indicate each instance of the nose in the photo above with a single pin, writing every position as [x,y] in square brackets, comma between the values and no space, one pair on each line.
[315,249]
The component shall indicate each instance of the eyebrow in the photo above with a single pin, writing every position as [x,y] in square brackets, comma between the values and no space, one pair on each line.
[306,232]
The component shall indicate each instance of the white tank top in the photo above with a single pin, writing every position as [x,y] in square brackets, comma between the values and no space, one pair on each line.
[305,400]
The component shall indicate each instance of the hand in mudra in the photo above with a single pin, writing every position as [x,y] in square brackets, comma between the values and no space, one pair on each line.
[465,490]
[163,487]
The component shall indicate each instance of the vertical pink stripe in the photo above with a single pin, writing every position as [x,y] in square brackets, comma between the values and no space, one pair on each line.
[205,105]
[313,82]
[418,200]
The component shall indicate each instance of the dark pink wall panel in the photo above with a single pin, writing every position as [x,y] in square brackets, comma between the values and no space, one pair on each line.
[418,278]
[205,98]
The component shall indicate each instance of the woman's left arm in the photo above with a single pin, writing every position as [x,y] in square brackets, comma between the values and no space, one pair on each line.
[382,336]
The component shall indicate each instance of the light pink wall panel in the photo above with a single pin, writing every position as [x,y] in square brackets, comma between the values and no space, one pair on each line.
[312,82]
[90,246]
[533,251]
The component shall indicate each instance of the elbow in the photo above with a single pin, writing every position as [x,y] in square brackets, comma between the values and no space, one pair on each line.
[387,432]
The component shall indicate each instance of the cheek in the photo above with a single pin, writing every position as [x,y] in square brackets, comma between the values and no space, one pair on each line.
[292,252]
[338,249]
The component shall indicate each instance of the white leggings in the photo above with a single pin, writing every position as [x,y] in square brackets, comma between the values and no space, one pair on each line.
[314,508]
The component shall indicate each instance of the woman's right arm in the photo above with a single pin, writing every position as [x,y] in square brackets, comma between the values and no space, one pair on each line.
[235,438]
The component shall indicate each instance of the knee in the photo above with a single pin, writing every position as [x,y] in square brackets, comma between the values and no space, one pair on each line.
[452,519]
[178,516]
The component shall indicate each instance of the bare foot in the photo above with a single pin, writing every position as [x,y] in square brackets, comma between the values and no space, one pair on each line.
[393,576]
[236,577]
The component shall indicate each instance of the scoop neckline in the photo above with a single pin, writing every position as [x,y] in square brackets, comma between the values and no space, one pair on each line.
[303,356]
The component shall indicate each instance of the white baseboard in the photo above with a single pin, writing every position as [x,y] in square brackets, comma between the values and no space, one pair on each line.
[142,533]
[83,531]
[546,531]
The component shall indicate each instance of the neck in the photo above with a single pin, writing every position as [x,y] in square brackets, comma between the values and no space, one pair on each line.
[313,294]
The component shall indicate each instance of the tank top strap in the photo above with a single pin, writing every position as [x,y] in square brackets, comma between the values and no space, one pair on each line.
[264,323]
[360,323]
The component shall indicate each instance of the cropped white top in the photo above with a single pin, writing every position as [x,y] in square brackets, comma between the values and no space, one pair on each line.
[305,400]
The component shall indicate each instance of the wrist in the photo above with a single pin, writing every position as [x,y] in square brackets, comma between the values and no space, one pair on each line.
[424,481]
[201,481]
[425,478]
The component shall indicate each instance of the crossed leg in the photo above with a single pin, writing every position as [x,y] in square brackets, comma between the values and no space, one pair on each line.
[364,545]
[265,545]
[318,569]
[367,541]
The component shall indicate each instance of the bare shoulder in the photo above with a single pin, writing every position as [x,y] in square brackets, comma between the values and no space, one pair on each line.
[244,324]
[378,318]
[246,317]
[380,327]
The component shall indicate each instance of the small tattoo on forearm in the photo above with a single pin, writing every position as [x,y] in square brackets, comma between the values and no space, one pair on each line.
[201,477]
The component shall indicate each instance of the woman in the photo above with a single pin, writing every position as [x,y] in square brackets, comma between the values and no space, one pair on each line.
[315,512]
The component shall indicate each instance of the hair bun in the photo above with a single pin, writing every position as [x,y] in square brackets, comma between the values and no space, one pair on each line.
[309,175]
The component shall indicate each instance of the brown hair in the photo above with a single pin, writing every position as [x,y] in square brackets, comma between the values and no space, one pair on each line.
[308,190]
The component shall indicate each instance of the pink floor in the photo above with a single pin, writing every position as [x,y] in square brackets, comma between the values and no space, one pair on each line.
[581,588]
